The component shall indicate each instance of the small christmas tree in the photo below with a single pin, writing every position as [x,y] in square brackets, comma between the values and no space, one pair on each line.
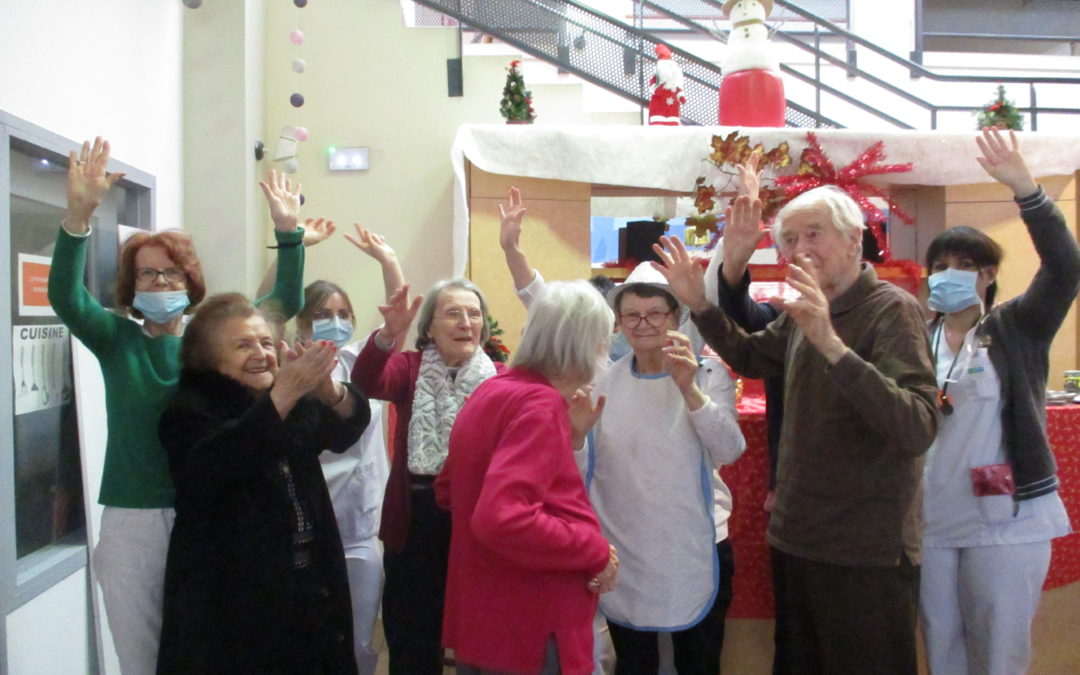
[1000,112]
[516,105]
[494,347]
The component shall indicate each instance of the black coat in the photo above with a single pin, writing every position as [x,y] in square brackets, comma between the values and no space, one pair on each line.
[233,603]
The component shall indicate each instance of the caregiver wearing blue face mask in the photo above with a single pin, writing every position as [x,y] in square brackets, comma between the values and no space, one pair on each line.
[356,478]
[991,504]
[159,280]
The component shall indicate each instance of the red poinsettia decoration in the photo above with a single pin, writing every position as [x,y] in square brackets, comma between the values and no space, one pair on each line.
[816,169]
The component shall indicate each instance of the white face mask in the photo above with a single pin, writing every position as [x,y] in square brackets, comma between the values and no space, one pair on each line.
[161,306]
[952,290]
[333,329]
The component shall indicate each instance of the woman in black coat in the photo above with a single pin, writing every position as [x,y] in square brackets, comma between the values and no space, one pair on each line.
[255,580]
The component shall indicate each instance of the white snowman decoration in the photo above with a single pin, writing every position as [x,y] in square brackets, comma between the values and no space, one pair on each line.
[751,92]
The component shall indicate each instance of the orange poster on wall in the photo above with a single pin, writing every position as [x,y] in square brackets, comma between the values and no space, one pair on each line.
[34,285]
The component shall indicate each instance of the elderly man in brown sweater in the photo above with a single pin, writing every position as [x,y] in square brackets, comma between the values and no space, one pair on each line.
[859,413]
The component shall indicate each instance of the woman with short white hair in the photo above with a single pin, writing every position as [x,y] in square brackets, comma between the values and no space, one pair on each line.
[527,558]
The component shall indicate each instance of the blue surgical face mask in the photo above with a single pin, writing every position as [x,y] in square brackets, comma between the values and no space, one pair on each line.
[333,329]
[952,290]
[161,306]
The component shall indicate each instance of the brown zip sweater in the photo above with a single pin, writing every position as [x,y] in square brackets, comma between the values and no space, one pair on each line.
[848,486]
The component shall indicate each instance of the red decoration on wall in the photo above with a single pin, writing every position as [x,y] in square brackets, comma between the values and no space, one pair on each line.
[816,169]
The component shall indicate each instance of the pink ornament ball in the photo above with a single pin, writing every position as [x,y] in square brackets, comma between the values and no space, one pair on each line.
[301,133]
[296,36]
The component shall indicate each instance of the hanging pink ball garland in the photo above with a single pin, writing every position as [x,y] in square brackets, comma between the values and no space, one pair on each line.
[299,65]
[296,36]
[301,133]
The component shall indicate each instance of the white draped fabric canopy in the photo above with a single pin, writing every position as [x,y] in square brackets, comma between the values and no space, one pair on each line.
[671,158]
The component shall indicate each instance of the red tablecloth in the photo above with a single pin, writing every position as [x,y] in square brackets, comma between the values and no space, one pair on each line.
[748,480]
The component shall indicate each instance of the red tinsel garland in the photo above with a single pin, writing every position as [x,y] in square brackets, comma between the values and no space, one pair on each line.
[816,169]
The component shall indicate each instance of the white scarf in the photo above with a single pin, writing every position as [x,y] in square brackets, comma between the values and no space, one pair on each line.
[436,403]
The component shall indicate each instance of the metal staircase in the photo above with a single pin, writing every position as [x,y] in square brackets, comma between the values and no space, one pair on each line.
[620,57]
[601,50]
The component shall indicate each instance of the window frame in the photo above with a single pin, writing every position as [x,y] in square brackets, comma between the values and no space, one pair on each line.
[21,581]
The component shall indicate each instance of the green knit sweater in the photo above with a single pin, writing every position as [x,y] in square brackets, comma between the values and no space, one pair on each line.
[140,372]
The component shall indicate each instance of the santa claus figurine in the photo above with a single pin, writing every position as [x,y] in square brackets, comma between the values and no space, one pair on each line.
[751,93]
[668,95]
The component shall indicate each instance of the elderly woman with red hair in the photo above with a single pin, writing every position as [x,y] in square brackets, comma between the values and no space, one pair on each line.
[160,280]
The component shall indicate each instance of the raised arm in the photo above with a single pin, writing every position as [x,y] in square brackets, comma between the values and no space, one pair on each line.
[757,355]
[88,182]
[375,246]
[510,215]
[1043,306]
[742,234]
[283,198]
[316,230]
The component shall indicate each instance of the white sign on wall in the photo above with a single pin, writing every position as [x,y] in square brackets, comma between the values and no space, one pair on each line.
[40,358]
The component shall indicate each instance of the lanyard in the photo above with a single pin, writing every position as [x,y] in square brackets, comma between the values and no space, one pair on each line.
[944,401]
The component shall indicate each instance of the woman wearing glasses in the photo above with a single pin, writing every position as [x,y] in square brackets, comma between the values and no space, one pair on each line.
[668,423]
[160,280]
[991,504]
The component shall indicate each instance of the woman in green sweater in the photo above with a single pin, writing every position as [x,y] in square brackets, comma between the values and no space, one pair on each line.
[159,280]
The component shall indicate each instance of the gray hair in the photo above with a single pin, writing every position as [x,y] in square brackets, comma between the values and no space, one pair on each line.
[566,332]
[427,309]
[844,213]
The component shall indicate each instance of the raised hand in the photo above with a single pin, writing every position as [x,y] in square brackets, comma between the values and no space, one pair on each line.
[1004,162]
[372,244]
[750,176]
[683,274]
[317,230]
[87,183]
[742,234]
[398,314]
[683,366]
[283,198]
[584,414]
[510,217]
[810,310]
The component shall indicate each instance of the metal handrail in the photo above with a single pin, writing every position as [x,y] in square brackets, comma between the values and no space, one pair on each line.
[542,28]
[853,70]
[913,66]
[792,72]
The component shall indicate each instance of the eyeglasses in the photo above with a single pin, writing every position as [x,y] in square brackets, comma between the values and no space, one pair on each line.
[654,318]
[148,275]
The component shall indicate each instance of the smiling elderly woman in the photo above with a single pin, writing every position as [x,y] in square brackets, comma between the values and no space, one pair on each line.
[255,580]
[429,387]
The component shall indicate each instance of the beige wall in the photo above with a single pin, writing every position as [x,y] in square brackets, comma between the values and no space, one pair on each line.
[556,231]
[372,82]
